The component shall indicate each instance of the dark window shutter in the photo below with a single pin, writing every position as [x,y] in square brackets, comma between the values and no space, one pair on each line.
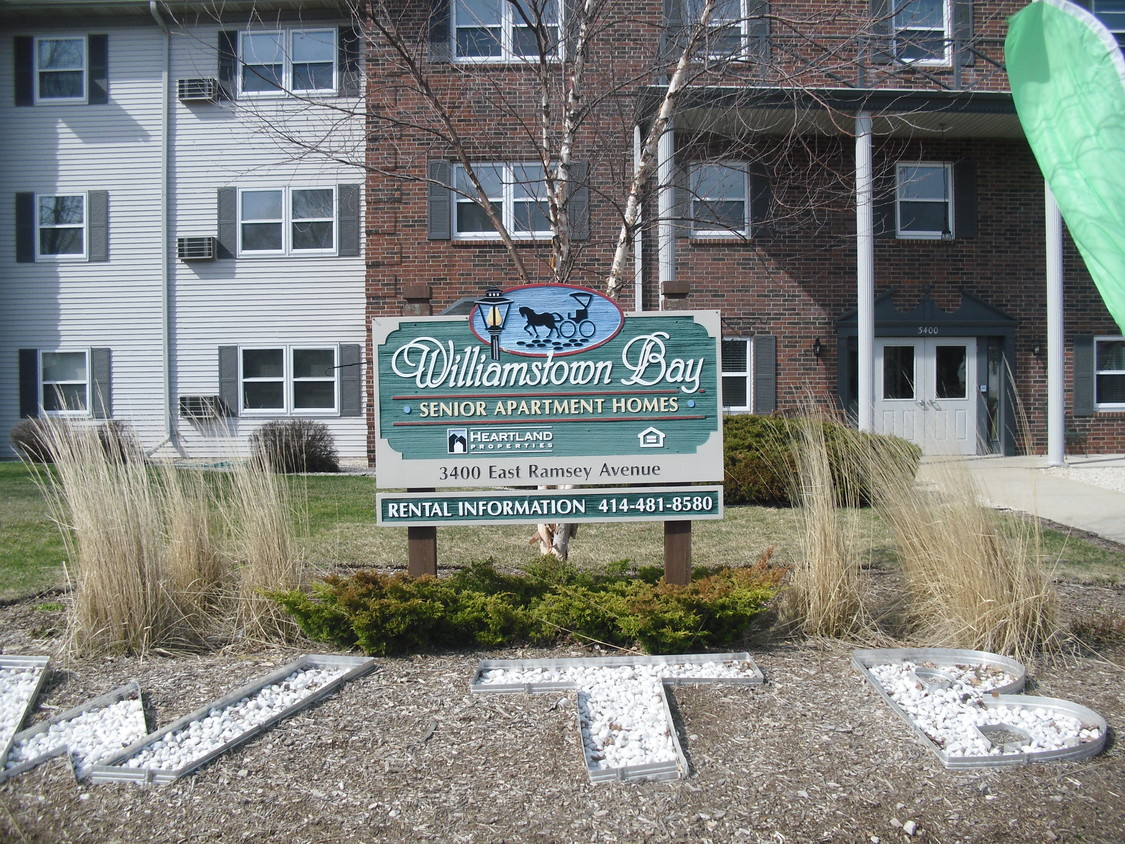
[348,240]
[25,228]
[1084,375]
[349,44]
[228,379]
[228,65]
[440,45]
[227,222]
[765,373]
[759,32]
[760,199]
[97,226]
[101,384]
[965,199]
[881,38]
[97,84]
[351,380]
[440,223]
[23,48]
[578,203]
[963,32]
[681,199]
[29,383]
[885,199]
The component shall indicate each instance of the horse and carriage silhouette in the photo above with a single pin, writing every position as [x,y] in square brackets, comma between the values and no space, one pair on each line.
[564,327]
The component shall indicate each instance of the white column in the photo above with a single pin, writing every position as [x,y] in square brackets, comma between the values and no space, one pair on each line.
[1056,403]
[666,203]
[638,241]
[865,271]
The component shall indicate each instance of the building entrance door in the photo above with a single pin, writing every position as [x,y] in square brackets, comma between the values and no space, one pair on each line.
[925,391]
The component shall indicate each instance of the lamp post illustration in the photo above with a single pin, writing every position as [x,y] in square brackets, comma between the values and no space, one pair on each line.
[494,310]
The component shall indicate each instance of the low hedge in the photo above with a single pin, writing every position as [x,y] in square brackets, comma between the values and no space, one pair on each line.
[480,606]
[759,464]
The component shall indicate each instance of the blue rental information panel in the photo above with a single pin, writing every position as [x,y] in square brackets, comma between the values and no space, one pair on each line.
[546,385]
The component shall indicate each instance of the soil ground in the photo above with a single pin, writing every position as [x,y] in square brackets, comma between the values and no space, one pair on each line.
[408,753]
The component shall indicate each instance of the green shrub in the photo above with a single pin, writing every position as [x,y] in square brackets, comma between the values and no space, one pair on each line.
[759,464]
[296,445]
[386,614]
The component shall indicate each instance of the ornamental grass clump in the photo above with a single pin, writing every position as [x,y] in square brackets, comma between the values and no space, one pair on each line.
[975,581]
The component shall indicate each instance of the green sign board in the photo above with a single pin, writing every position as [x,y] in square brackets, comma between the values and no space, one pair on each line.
[548,385]
[535,506]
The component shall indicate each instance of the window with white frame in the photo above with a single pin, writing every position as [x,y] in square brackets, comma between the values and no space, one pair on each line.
[922,31]
[1109,373]
[301,61]
[737,374]
[719,200]
[924,201]
[728,31]
[289,380]
[287,221]
[516,191]
[60,226]
[504,30]
[1112,14]
[64,382]
[60,69]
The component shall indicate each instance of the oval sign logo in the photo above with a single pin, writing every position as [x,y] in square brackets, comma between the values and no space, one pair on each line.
[546,319]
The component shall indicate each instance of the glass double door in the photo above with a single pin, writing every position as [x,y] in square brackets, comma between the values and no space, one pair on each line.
[926,392]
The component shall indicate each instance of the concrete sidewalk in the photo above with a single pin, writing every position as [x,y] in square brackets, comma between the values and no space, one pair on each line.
[1058,494]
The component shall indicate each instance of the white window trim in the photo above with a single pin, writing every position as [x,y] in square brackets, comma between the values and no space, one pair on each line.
[704,233]
[288,380]
[42,386]
[507,205]
[950,217]
[286,223]
[40,256]
[743,24]
[83,97]
[945,59]
[287,89]
[748,374]
[1106,406]
[507,24]
[1117,29]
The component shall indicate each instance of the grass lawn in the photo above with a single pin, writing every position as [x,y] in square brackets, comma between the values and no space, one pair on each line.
[337,523]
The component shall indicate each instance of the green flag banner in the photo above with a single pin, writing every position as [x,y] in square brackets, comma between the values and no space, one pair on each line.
[1068,82]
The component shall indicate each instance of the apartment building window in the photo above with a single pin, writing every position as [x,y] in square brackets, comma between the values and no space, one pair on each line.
[61,224]
[1109,373]
[288,380]
[300,61]
[719,200]
[924,201]
[59,227]
[287,221]
[738,376]
[737,31]
[504,30]
[64,382]
[61,70]
[1112,14]
[69,382]
[921,31]
[517,191]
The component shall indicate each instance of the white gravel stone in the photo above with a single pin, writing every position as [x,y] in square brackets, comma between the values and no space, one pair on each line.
[17,685]
[950,712]
[622,710]
[90,737]
[196,739]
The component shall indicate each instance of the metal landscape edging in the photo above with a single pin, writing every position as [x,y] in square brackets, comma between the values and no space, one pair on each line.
[645,772]
[111,770]
[129,691]
[17,662]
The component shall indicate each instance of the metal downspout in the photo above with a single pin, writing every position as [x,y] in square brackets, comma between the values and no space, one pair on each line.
[165,255]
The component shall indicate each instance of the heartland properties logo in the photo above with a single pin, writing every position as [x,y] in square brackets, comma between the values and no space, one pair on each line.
[499,441]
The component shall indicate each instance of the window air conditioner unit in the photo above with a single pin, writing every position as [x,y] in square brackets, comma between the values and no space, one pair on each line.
[195,248]
[197,90]
[202,407]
